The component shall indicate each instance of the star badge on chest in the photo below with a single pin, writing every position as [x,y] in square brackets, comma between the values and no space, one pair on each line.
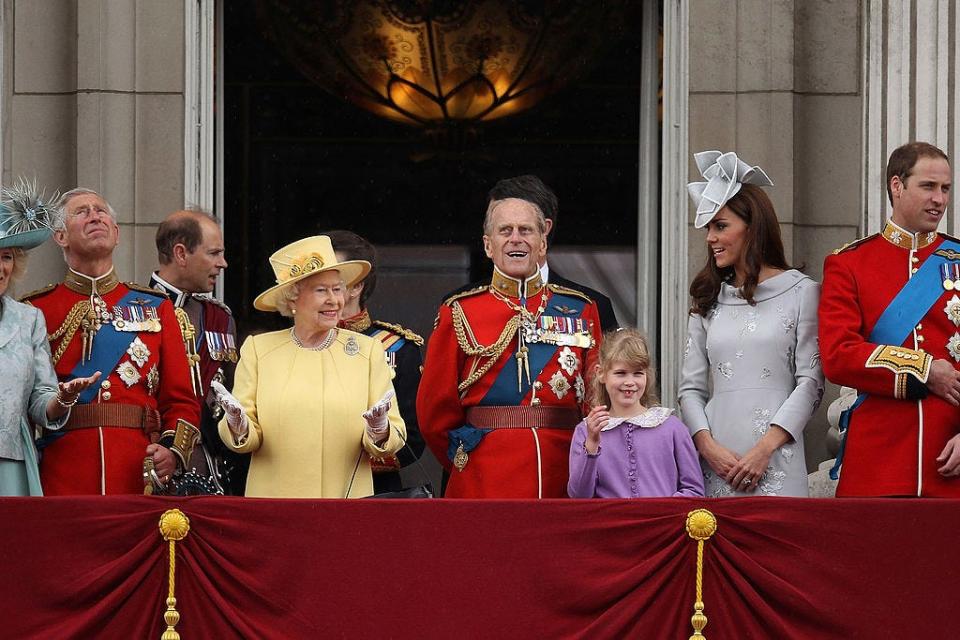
[569,361]
[128,373]
[138,352]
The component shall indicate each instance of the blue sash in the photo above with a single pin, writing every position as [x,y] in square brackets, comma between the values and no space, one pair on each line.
[110,346]
[897,321]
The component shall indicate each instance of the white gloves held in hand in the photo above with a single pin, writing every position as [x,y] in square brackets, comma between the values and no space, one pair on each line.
[378,423]
[236,416]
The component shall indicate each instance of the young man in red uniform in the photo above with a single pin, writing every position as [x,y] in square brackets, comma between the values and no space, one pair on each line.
[890,327]
[129,334]
[191,254]
[503,383]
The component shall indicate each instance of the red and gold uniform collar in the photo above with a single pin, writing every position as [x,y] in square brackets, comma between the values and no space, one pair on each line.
[512,287]
[897,235]
[359,323]
[86,285]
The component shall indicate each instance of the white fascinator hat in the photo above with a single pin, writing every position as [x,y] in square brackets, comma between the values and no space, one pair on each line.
[724,173]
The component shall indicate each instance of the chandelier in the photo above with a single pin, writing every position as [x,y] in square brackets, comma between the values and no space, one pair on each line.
[441,64]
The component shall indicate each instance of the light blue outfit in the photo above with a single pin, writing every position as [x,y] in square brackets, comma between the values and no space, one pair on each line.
[29,383]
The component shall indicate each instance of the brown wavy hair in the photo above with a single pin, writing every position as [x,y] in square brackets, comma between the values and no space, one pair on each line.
[763,246]
[630,346]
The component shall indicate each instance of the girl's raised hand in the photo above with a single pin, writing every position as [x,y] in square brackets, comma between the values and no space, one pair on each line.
[597,419]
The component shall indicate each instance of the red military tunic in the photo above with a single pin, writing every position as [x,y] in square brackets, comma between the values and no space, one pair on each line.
[507,462]
[894,437]
[109,459]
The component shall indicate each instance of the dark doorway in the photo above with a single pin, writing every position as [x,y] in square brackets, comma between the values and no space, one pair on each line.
[299,160]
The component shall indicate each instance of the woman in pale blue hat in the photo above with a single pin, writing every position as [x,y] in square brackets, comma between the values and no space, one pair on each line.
[30,392]
[751,370]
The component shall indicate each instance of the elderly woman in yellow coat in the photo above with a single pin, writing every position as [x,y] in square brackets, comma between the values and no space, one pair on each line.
[313,402]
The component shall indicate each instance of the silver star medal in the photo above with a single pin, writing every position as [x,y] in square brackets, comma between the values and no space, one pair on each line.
[569,361]
[128,373]
[138,352]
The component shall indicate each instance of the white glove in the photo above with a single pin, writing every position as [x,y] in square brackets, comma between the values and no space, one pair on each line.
[378,423]
[236,416]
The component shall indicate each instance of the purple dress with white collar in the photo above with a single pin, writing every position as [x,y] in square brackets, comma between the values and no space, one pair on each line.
[647,456]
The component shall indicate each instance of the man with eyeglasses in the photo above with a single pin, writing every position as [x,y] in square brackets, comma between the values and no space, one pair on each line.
[120,432]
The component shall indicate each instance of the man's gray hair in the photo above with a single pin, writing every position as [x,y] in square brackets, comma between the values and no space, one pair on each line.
[493,204]
[60,213]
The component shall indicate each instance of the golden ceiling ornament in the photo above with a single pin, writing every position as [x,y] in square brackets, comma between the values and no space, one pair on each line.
[445,65]
[700,525]
[174,526]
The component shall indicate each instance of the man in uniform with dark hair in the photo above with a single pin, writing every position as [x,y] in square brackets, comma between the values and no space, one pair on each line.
[890,326]
[533,190]
[129,333]
[504,379]
[403,355]
[191,254]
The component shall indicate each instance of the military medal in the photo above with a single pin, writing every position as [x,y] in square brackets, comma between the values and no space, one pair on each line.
[138,352]
[569,361]
[951,275]
[953,310]
[953,346]
[128,373]
[559,385]
[460,458]
[153,380]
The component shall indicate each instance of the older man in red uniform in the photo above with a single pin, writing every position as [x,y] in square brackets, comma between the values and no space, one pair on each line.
[890,327]
[503,383]
[129,334]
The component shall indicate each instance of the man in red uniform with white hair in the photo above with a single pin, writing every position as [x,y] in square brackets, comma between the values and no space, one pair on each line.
[503,383]
[130,335]
[890,327]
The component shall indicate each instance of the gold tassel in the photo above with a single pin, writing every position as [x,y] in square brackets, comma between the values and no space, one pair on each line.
[174,525]
[701,524]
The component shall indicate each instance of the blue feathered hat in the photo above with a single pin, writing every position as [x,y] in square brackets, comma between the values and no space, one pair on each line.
[26,215]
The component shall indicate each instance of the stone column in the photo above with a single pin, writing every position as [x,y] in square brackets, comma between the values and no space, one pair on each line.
[97,100]
[912,76]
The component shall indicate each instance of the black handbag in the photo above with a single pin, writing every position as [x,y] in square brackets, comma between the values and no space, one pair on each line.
[424,490]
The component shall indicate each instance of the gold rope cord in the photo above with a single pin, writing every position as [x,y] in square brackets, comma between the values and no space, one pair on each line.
[174,525]
[492,352]
[700,525]
[69,327]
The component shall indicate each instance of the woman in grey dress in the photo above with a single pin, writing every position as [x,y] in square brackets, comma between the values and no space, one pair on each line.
[751,374]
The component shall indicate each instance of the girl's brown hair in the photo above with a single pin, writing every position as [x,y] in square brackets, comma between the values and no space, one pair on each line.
[630,346]
[763,246]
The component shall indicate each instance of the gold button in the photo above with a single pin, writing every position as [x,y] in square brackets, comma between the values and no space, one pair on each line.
[914,259]
[919,327]
[914,270]
[105,396]
[105,384]
[535,402]
[919,338]
[538,385]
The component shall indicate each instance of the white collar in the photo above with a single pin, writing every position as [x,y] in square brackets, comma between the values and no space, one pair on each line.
[652,417]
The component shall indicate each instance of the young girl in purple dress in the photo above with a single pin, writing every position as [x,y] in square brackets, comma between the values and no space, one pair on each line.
[628,446]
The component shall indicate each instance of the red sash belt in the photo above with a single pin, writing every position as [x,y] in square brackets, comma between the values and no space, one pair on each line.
[523,417]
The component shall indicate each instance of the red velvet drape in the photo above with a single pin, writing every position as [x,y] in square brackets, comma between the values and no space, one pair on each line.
[776,568]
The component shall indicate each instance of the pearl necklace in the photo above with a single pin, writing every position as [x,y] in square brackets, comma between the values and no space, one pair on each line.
[326,342]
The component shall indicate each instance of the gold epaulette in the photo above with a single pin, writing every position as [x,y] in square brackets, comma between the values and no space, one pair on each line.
[143,289]
[405,333]
[855,243]
[39,292]
[464,294]
[556,288]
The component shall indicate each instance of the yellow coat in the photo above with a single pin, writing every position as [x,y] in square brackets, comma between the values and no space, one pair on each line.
[304,409]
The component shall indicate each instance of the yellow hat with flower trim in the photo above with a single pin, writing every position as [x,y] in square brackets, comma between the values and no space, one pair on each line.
[305,258]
